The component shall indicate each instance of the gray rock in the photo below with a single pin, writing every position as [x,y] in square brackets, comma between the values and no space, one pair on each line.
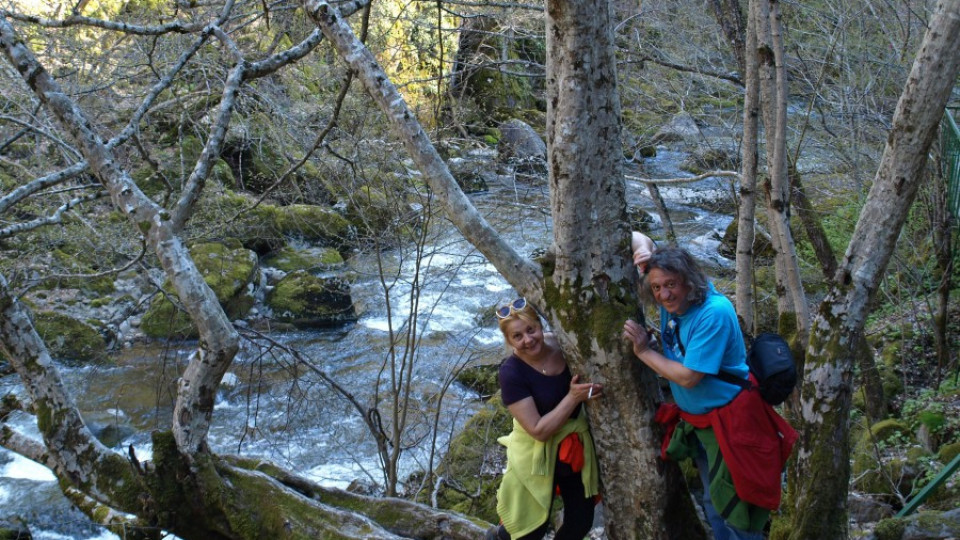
[520,142]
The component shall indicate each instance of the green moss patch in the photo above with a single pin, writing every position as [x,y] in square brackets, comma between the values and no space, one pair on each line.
[228,269]
[69,339]
[308,301]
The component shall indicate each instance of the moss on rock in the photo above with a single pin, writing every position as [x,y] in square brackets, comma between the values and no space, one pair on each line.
[228,268]
[305,300]
[878,471]
[291,259]
[312,223]
[475,462]
[890,529]
[482,379]
[69,339]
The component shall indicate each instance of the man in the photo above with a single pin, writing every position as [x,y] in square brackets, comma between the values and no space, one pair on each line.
[701,337]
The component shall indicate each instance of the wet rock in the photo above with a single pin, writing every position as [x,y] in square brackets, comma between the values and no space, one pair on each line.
[865,509]
[308,301]
[472,175]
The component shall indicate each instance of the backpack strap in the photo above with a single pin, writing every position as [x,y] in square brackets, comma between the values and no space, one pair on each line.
[722,375]
[733,379]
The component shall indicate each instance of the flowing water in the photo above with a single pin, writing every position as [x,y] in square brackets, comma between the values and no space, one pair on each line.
[276,406]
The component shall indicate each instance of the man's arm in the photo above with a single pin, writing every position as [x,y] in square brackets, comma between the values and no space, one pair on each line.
[665,367]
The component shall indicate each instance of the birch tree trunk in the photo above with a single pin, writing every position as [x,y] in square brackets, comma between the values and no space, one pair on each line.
[823,457]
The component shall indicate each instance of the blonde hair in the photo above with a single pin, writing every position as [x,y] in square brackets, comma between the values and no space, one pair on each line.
[527,314]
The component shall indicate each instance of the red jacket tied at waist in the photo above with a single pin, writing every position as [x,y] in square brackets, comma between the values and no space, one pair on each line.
[754,440]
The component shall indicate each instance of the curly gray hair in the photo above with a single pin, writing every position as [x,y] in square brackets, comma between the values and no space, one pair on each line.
[677,261]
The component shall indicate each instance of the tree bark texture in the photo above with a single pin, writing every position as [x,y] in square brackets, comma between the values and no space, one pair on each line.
[590,288]
[747,209]
[823,458]
[586,288]
[773,92]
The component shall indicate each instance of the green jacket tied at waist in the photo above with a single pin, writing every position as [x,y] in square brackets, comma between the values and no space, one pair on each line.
[526,491]
[736,512]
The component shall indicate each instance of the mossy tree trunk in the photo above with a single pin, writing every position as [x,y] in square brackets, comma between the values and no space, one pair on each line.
[823,457]
[590,283]
[585,288]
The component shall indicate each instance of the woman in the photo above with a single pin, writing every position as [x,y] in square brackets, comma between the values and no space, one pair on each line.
[550,446]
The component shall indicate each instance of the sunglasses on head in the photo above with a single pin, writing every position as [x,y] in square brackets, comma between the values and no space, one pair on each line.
[516,305]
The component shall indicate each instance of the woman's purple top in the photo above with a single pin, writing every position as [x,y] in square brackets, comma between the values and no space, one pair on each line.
[518,381]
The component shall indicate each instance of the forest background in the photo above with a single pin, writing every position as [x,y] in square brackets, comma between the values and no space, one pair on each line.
[230,135]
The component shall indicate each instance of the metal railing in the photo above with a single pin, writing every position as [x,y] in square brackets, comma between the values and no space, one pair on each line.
[950,145]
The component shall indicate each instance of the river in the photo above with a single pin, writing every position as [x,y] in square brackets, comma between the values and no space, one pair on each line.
[274,407]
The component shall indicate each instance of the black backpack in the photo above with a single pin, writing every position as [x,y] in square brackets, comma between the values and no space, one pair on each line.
[771,362]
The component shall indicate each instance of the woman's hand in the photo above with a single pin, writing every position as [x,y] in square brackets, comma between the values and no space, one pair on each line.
[637,335]
[584,391]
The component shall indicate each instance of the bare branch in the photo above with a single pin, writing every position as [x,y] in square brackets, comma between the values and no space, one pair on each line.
[56,217]
[126,28]
[218,340]
[684,180]
[637,59]
[176,27]
[27,447]
[211,150]
[60,142]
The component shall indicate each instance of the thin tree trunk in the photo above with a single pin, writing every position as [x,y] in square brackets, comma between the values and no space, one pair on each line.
[773,89]
[746,229]
[943,225]
[812,225]
[823,459]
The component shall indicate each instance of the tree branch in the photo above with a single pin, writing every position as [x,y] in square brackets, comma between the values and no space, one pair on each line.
[683,180]
[56,217]
[218,340]
[521,273]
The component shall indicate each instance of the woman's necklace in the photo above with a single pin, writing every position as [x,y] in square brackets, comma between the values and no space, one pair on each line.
[543,366]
